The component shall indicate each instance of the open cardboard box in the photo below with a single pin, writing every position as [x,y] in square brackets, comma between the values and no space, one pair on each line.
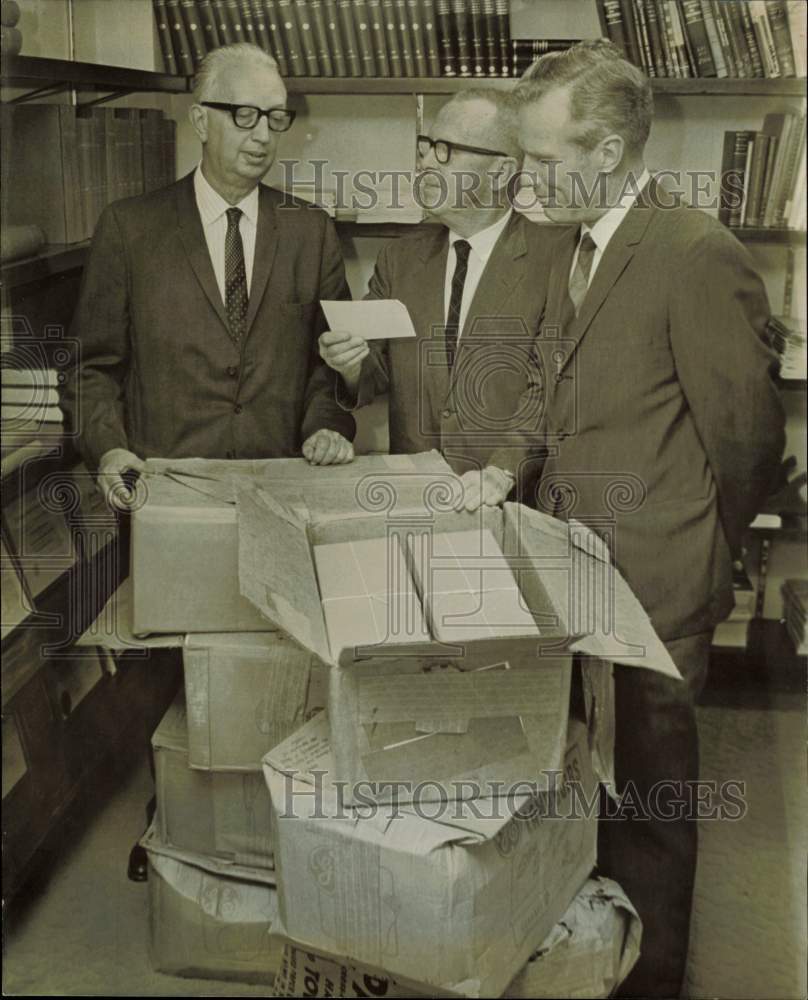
[184,546]
[457,903]
[410,708]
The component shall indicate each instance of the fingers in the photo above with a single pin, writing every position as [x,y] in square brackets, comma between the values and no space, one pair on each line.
[342,350]
[327,447]
[116,493]
[470,498]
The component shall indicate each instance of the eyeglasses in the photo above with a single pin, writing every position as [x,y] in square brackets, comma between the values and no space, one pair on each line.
[246,117]
[444,149]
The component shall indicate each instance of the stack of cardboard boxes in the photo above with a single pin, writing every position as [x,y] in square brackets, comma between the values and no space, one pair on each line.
[435,823]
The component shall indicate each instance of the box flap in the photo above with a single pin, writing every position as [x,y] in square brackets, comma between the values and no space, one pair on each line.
[276,572]
[595,606]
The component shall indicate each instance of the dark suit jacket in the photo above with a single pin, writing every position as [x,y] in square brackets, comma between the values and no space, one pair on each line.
[471,414]
[662,423]
[159,372]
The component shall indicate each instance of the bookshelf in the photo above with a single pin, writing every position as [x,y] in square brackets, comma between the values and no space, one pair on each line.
[39,72]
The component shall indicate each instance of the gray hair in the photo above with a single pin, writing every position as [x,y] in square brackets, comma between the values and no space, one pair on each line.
[506,123]
[218,60]
[607,93]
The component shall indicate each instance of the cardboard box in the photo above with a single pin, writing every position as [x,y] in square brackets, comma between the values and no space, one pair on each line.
[588,953]
[457,903]
[483,710]
[207,924]
[185,534]
[245,693]
[215,814]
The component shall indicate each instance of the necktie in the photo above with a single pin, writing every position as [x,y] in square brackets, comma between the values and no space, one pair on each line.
[579,279]
[235,276]
[462,249]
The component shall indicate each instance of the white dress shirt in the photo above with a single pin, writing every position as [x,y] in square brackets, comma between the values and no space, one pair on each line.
[482,244]
[606,226]
[212,211]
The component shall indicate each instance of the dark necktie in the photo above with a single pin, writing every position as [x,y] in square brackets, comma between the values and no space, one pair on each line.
[462,249]
[235,276]
[579,279]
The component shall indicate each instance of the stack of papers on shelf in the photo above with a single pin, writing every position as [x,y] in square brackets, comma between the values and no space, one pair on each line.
[734,631]
[795,608]
[789,340]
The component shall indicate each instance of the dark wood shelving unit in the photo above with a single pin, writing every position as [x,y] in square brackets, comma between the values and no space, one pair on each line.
[51,260]
[40,73]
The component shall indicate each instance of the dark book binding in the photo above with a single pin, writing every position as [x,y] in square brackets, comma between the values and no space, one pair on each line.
[276,39]
[307,42]
[633,45]
[404,38]
[293,46]
[414,17]
[208,21]
[379,36]
[389,21]
[94,120]
[757,172]
[194,31]
[84,147]
[232,14]
[478,51]
[223,24]
[168,135]
[179,38]
[751,40]
[462,29]
[655,36]
[699,42]
[733,21]
[448,54]
[727,48]
[248,31]
[335,38]
[164,36]
[319,29]
[503,14]
[714,39]
[492,53]
[612,26]
[150,148]
[643,39]
[778,20]
[259,18]
[349,40]
[740,155]
[364,37]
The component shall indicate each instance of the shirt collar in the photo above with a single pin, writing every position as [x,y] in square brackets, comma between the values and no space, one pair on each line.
[212,206]
[482,243]
[606,226]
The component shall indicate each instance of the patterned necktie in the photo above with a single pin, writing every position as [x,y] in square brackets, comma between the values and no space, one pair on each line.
[235,276]
[579,279]
[462,249]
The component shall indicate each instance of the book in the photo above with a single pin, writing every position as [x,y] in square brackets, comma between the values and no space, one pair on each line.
[349,40]
[733,21]
[164,36]
[755,178]
[610,13]
[168,135]
[667,55]
[727,49]
[194,31]
[275,30]
[30,395]
[479,60]
[296,63]
[260,26]
[491,40]
[655,36]
[389,21]
[248,32]
[699,42]
[795,206]
[778,126]
[714,39]
[462,37]
[633,45]
[503,33]
[223,25]
[98,117]
[179,38]
[418,40]
[763,33]
[677,39]
[30,378]
[525,51]
[319,30]
[751,39]
[781,34]
[737,146]
[232,14]
[446,37]
[335,38]
[643,39]
[307,42]
[797,29]
[207,18]
[789,176]
[404,38]
[379,37]
[364,37]
[84,143]
[150,148]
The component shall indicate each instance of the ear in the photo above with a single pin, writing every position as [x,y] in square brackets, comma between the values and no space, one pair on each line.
[504,170]
[199,120]
[610,153]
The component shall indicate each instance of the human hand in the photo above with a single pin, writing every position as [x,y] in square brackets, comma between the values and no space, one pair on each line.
[344,352]
[327,447]
[489,487]
[113,464]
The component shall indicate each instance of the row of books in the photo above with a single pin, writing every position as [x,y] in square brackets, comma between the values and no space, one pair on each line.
[795,613]
[788,338]
[95,156]
[30,400]
[763,174]
[345,38]
[709,38]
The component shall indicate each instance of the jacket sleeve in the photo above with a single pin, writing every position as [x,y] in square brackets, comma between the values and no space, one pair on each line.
[92,397]
[718,318]
[322,409]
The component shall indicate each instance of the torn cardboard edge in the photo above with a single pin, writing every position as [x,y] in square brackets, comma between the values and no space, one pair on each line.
[214,866]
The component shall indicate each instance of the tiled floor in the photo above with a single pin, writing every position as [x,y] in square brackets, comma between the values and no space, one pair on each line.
[85,931]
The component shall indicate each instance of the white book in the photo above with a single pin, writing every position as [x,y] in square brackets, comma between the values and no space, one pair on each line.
[30,395]
[29,376]
[797,11]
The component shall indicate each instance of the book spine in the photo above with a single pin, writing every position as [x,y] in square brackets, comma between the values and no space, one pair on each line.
[232,14]
[223,26]
[379,36]
[207,19]
[633,52]
[768,178]
[351,44]
[259,18]
[678,39]
[96,117]
[169,133]
[135,164]
[319,30]
[713,39]
[179,38]
[613,26]
[797,30]
[503,12]
[462,37]
[307,43]
[364,37]
[795,148]
[754,183]
[781,33]
[431,39]
[730,189]
[740,157]
[784,135]
[667,56]
[755,58]
[731,14]
[391,38]
[150,131]
[275,29]
[418,41]
[404,40]
[446,38]
[249,33]
[291,37]
[164,35]
[492,53]
[727,48]
[193,29]
[479,62]
[699,42]
[644,39]
[765,39]
[335,38]
[84,144]
[655,37]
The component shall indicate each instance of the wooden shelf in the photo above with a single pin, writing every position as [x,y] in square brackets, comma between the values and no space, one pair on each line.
[24,71]
[51,260]
[753,234]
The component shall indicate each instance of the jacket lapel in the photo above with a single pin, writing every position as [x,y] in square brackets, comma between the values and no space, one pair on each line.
[193,240]
[428,314]
[266,245]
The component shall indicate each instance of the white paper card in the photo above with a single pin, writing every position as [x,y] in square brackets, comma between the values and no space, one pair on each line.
[377,319]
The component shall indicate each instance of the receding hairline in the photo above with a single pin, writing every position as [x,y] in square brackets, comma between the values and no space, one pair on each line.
[218,62]
[502,123]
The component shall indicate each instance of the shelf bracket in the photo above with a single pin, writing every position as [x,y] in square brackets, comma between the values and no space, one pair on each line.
[48,90]
[105,98]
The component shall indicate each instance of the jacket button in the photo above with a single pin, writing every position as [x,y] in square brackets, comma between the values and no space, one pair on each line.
[232,371]
[237,408]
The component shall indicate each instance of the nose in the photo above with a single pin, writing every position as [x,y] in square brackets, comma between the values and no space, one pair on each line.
[261,130]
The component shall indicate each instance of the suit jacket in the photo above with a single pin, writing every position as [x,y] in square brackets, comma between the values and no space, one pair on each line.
[159,372]
[662,424]
[471,413]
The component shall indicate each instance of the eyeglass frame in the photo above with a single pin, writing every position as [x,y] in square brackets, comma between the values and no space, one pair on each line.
[451,147]
[234,108]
